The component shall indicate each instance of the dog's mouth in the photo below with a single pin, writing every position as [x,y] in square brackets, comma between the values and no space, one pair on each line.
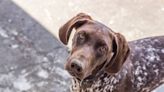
[88,80]
[76,75]
[87,77]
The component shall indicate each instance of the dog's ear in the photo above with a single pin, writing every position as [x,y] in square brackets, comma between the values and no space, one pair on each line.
[121,51]
[75,22]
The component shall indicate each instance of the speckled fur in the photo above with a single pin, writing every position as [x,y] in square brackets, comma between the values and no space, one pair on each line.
[143,71]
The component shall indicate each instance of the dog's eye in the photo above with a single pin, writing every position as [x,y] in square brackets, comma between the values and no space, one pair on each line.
[101,50]
[81,37]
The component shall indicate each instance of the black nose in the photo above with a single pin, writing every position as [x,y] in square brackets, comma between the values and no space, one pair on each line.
[76,67]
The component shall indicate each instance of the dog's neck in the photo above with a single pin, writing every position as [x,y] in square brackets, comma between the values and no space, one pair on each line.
[102,79]
[89,80]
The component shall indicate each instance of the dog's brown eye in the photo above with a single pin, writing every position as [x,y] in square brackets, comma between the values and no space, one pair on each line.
[101,50]
[81,37]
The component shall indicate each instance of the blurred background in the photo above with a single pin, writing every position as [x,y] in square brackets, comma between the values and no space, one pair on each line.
[133,18]
[32,58]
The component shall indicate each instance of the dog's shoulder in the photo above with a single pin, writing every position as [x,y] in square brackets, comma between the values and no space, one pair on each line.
[147,57]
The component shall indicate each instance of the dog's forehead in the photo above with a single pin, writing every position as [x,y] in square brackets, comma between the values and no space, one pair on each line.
[95,28]
[94,33]
[97,31]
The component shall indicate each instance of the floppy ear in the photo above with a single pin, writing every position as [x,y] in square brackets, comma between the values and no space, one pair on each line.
[75,22]
[121,51]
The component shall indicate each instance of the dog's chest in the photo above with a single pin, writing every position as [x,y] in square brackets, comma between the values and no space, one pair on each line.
[104,83]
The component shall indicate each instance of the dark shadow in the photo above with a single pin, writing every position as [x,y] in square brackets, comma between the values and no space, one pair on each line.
[31,59]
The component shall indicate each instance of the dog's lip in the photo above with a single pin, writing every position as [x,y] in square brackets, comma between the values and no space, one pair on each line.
[75,75]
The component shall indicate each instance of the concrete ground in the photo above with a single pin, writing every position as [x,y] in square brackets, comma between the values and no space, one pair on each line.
[31,59]
[133,18]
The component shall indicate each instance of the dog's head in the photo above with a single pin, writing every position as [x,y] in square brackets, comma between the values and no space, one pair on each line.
[94,46]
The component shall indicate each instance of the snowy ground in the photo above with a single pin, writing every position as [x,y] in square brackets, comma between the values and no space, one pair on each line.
[31,59]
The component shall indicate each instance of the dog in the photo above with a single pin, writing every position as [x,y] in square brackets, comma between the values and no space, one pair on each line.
[101,60]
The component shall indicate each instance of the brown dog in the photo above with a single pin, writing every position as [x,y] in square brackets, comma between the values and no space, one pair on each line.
[102,60]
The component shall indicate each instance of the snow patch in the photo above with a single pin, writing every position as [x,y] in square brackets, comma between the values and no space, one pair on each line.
[22,83]
[43,74]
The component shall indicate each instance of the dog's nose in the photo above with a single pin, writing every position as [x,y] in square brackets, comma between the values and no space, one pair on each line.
[76,66]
